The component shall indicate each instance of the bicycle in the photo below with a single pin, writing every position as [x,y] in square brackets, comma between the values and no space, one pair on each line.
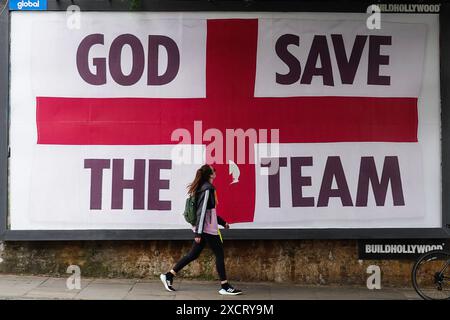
[431,275]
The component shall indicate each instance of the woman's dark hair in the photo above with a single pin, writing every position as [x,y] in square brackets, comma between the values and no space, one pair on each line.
[201,176]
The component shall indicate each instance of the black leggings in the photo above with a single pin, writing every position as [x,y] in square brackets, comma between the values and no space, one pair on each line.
[216,246]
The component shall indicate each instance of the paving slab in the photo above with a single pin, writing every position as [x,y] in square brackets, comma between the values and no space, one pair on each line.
[104,291]
[153,290]
[17,286]
[56,288]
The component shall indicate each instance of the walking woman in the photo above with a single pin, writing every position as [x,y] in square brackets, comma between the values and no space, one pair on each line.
[206,230]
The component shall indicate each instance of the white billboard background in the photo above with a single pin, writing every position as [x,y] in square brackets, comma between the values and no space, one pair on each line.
[350,155]
[41,66]
[407,80]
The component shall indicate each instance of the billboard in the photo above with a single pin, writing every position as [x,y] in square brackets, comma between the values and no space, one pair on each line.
[311,120]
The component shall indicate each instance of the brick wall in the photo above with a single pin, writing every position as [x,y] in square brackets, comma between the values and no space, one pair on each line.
[315,262]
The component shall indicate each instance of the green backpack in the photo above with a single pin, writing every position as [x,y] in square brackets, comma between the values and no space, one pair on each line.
[190,210]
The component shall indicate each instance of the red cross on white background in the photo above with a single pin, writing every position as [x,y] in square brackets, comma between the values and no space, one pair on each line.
[229,104]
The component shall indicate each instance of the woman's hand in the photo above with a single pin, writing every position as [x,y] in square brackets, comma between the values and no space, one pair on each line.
[197,239]
[227,226]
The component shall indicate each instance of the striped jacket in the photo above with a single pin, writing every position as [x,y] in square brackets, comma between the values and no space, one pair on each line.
[206,200]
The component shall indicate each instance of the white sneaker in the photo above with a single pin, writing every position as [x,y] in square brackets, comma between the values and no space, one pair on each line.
[167,283]
[230,291]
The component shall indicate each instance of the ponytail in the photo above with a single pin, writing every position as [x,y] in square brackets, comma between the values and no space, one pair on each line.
[201,176]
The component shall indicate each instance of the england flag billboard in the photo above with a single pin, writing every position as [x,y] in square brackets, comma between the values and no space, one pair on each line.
[310,120]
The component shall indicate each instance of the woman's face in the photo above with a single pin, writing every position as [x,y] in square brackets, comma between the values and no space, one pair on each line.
[213,175]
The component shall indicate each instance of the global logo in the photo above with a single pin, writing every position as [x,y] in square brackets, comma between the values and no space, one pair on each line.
[28,5]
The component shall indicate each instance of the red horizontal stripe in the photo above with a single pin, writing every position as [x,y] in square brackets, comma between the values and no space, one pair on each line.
[137,121]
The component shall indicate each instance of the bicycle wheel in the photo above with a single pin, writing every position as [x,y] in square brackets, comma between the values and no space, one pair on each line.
[431,275]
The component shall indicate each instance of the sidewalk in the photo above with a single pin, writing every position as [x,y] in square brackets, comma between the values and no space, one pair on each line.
[41,287]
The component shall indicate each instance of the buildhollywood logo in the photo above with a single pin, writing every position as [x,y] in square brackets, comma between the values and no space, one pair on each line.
[413,8]
[401,248]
